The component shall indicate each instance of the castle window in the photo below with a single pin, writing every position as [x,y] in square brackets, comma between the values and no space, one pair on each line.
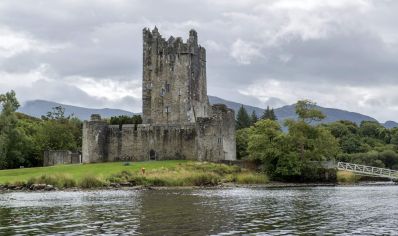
[167,109]
[167,87]
[219,140]
[162,92]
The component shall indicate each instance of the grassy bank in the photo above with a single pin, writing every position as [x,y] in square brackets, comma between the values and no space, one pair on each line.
[346,177]
[157,173]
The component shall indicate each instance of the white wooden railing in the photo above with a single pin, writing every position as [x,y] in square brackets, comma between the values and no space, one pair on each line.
[368,170]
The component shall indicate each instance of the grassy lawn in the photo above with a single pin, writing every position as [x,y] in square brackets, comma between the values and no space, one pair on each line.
[157,173]
[78,171]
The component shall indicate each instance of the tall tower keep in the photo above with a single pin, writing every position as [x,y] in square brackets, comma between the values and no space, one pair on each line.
[174,87]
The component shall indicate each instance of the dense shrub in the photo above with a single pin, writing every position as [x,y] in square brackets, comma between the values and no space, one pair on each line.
[90,181]
[56,180]
[251,178]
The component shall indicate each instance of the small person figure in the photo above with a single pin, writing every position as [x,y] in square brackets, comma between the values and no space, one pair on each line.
[143,170]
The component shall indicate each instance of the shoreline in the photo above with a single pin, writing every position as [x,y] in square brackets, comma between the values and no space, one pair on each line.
[271,185]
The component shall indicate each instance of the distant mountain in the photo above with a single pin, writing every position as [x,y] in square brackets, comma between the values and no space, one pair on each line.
[332,114]
[235,106]
[288,112]
[390,124]
[37,108]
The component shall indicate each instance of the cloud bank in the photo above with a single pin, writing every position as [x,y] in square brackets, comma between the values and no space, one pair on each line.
[340,53]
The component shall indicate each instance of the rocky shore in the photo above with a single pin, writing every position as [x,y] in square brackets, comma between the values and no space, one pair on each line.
[128,186]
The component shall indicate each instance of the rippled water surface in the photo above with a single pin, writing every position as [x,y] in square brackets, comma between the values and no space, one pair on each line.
[305,211]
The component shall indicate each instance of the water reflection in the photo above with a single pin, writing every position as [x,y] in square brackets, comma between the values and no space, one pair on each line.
[316,211]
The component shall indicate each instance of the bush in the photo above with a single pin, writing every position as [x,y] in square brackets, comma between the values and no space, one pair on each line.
[159,182]
[204,179]
[251,178]
[138,180]
[347,177]
[57,180]
[220,169]
[90,181]
[121,177]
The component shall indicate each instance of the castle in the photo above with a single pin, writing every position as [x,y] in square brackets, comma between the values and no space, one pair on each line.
[178,121]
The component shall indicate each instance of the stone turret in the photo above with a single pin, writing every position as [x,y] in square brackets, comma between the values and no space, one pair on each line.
[95,134]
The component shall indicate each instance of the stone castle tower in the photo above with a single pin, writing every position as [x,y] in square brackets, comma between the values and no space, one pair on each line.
[178,121]
[174,79]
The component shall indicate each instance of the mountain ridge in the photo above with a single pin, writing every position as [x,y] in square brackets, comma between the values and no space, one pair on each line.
[37,108]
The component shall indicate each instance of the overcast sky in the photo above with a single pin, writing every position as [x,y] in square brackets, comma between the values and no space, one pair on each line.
[341,54]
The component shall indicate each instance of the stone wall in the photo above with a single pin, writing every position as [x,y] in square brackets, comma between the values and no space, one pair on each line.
[216,135]
[209,139]
[60,157]
[145,142]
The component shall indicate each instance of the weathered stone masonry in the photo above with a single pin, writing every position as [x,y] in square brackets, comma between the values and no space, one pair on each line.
[179,122]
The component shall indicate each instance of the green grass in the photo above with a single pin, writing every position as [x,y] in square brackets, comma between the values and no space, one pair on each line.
[157,173]
[81,170]
[251,178]
[346,177]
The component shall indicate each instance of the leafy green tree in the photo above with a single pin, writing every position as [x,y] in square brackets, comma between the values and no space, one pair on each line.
[394,136]
[13,140]
[242,119]
[265,143]
[269,114]
[121,120]
[339,129]
[57,113]
[313,143]
[374,129]
[54,135]
[253,118]
[352,144]
[389,159]
[307,111]
[242,136]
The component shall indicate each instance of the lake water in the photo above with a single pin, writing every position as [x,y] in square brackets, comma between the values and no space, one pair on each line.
[305,211]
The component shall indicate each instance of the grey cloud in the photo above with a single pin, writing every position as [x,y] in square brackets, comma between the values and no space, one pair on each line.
[343,46]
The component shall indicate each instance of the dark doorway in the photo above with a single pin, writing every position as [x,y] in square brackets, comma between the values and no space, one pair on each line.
[152,155]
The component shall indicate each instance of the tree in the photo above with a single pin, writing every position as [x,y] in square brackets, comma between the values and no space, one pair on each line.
[268,145]
[57,113]
[374,129]
[253,117]
[265,143]
[121,120]
[242,119]
[306,111]
[13,140]
[242,137]
[54,135]
[313,143]
[269,114]
[352,144]
[394,136]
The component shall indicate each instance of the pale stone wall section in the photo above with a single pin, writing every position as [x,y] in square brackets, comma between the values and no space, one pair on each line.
[60,157]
